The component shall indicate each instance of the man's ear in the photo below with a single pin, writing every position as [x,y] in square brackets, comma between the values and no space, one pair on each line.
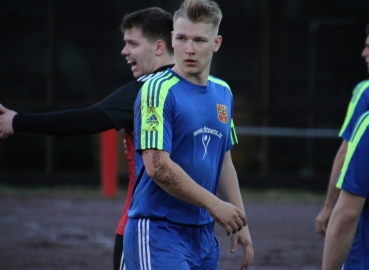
[217,43]
[160,47]
[172,35]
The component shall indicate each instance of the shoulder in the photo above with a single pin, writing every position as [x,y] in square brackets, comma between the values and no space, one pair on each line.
[361,87]
[133,86]
[363,83]
[218,81]
[148,77]
[156,90]
[360,91]
[164,79]
[361,126]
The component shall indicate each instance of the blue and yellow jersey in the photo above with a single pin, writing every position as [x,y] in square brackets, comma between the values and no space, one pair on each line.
[354,178]
[358,105]
[194,124]
[354,175]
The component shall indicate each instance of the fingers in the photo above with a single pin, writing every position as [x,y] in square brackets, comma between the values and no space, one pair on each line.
[6,120]
[320,228]
[321,225]
[231,218]
[234,225]
[249,256]
[243,238]
[237,225]
[234,245]
[321,221]
[3,109]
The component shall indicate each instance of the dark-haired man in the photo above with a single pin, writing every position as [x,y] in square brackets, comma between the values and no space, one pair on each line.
[149,52]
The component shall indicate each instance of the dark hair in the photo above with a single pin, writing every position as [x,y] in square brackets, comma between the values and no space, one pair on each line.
[367,29]
[200,11]
[155,23]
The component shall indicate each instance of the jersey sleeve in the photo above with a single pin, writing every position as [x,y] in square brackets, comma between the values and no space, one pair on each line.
[233,135]
[153,122]
[359,104]
[115,111]
[355,170]
[63,123]
[118,106]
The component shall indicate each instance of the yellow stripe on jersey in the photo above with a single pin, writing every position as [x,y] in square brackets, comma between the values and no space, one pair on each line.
[233,134]
[360,128]
[356,95]
[219,81]
[153,95]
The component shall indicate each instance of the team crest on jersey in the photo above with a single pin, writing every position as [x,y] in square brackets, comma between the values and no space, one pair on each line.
[222,113]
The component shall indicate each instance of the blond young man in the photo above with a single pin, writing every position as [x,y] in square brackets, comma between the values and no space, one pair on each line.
[183,135]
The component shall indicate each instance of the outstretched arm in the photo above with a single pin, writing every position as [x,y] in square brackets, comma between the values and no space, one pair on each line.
[341,230]
[322,219]
[175,181]
[229,190]
[115,111]
[72,122]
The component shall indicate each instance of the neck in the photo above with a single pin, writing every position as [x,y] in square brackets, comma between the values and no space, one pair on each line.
[164,62]
[196,78]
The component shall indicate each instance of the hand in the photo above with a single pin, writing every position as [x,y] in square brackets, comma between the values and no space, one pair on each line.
[243,238]
[321,221]
[228,216]
[6,122]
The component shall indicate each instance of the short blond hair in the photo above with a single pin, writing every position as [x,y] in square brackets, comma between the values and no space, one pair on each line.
[200,11]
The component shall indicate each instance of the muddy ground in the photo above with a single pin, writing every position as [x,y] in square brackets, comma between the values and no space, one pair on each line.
[75,229]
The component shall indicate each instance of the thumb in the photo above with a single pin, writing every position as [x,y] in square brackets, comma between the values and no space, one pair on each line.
[3,109]
[234,244]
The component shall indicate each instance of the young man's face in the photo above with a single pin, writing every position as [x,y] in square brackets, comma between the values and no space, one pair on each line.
[365,52]
[139,52]
[194,45]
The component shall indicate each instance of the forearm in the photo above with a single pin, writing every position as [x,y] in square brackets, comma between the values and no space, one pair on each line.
[175,181]
[228,187]
[63,123]
[341,229]
[338,242]
[333,192]
[229,190]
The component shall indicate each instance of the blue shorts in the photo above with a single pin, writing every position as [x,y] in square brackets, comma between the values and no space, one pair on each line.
[151,244]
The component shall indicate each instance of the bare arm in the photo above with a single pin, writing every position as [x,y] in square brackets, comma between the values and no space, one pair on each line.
[229,190]
[341,230]
[175,181]
[322,219]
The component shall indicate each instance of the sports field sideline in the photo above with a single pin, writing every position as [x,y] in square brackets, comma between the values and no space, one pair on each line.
[74,228]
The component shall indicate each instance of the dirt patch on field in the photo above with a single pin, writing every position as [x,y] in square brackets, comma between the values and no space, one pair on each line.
[75,229]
